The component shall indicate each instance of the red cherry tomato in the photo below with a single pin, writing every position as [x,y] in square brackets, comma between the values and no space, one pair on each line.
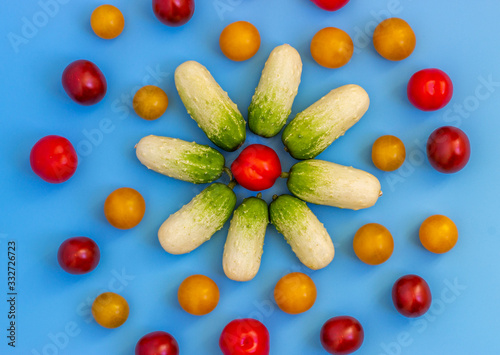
[54,159]
[157,343]
[430,89]
[331,5]
[257,167]
[84,82]
[342,335]
[173,12]
[411,296]
[448,149]
[244,337]
[78,255]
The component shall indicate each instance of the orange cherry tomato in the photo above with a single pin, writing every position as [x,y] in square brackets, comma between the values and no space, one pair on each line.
[239,41]
[150,102]
[373,244]
[110,310]
[107,21]
[198,295]
[438,234]
[295,293]
[331,47]
[124,208]
[394,39]
[388,153]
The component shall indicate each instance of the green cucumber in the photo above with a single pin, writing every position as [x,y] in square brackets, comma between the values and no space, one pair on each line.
[196,222]
[306,235]
[272,102]
[210,106]
[315,128]
[325,183]
[192,162]
[245,240]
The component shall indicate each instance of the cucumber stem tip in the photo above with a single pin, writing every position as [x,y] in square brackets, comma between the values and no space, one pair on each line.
[284,175]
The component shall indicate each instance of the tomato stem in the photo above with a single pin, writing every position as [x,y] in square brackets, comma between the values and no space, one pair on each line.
[284,175]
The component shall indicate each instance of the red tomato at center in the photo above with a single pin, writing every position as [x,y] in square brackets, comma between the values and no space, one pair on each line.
[331,5]
[257,167]
[430,89]
[448,149]
[244,337]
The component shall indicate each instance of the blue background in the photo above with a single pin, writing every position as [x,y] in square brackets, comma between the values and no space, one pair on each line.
[53,307]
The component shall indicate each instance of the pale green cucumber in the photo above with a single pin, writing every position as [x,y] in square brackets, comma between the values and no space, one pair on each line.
[325,183]
[272,102]
[210,106]
[306,235]
[315,128]
[245,240]
[196,222]
[192,162]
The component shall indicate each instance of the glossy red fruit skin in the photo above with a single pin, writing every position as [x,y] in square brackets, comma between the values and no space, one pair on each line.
[78,255]
[257,167]
[331,5]
[430,89]
[448,149]
[244,337]
[342,335]
[157,343]
[84,82]
[173,12]
[53,159]
[411,296]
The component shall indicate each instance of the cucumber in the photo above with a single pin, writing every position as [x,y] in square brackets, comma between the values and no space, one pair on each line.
[192,162]
[245,240]
[325,183]
[272,102]
[210,106]
[196,222]
[306,235]
[315,128]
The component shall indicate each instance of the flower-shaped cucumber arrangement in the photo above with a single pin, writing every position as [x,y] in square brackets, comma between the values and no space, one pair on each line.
[310,180]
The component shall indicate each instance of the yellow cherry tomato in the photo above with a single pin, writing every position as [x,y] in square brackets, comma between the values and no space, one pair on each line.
[331,47]
[107,21]
[373,244]
[394,39]
[110,310]
[438,234]
[388,153]
[150,102]
[239,41]
[124,208]
[295,293]
[198,295]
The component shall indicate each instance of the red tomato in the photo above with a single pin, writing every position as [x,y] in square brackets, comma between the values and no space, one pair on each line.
[411,296]
[157,343]
[54,159]
[342,335]
[430,89]
[331,5]
[84,82]
[448,149]
[173,12]
[78,255]
[257,167]
[244,337]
